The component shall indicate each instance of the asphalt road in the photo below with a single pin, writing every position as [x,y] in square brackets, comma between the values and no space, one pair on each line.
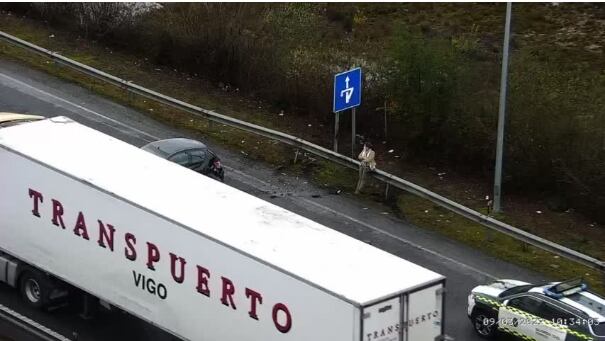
[10,332]
[26,91]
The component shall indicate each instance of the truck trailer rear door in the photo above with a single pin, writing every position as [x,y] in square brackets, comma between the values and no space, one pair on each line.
[412,316]
[424,312]
[382,320]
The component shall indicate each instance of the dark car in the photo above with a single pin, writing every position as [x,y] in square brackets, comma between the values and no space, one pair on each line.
[189,153]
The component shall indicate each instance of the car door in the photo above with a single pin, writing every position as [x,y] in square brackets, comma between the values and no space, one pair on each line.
[564,320]
[555,321]
[531,316]
[513,318]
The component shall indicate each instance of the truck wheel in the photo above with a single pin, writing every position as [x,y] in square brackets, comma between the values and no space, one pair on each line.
[35,288]
[482,323]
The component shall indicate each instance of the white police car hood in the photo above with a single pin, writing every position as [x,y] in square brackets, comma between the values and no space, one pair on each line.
[497,287]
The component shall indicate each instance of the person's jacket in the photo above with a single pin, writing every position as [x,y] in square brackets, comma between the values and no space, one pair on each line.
[367,156]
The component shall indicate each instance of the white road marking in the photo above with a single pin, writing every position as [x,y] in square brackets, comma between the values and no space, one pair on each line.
[328,209]
[30,325]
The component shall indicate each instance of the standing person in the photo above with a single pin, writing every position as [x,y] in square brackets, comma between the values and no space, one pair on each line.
[367,163]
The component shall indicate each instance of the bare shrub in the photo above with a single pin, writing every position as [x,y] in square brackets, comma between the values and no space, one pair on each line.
[100,18]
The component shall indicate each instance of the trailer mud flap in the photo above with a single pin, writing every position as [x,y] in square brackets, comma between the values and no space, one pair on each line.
[412,316]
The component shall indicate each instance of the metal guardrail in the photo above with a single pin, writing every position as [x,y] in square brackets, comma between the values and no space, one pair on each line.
[299,143]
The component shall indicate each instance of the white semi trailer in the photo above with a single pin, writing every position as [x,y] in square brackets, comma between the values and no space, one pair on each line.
[197,258]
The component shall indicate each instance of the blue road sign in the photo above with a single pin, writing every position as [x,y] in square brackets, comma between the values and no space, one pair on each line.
[347,90]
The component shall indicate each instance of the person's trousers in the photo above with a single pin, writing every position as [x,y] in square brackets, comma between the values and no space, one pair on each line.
[363,170]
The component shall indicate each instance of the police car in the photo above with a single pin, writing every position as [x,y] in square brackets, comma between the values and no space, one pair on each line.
[558,311]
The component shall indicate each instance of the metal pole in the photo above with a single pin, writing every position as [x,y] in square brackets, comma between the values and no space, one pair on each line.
[385,120]
[296,155]
[386,192]
[353,134]
[501,113]
[336,132]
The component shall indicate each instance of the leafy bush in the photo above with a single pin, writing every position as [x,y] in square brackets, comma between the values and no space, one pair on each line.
[424,88]
[556,133]
[433,79]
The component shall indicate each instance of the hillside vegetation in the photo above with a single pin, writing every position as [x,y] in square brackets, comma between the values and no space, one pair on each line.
[436,67]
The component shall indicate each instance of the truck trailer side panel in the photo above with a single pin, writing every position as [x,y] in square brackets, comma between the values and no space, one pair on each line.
[196,257]
[151,267]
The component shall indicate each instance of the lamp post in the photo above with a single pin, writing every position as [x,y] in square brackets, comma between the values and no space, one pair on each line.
[502,113]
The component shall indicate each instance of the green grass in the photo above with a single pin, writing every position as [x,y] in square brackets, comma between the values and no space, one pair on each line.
[331,174]
[424,213]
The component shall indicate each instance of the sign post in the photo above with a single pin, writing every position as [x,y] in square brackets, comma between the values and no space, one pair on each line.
[353,133]
[336,131]
[347,95]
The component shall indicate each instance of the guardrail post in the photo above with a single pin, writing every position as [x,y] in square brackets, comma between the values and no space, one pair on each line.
[296,155]
[386,191]
[126,92]
[53,59]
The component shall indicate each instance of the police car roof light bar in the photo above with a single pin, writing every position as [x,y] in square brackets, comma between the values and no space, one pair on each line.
[566,288]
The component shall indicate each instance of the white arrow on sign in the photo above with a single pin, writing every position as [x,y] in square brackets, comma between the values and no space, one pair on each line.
[347,92]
